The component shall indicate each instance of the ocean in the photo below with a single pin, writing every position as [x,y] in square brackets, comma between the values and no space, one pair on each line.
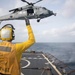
[63,51]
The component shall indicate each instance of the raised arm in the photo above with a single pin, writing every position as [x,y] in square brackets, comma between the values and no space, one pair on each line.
[21,47]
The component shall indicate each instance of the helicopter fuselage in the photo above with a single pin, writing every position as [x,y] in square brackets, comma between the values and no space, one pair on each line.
[31,12]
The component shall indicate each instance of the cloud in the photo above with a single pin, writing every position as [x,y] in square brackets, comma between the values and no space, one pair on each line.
[52,32]
[18,3]
[55,1]
[1,12]
[69,8]
[42,29]
[67,31]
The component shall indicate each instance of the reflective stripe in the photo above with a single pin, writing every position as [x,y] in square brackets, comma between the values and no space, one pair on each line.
[6,49]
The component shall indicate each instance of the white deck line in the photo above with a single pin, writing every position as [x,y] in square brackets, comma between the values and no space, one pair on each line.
[52,65]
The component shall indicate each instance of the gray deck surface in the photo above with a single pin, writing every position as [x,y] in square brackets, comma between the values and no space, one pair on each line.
[36,64]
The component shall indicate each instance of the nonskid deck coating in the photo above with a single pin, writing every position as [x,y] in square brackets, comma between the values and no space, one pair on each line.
[36,64]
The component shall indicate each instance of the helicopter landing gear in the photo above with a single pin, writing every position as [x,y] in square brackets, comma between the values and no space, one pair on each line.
[38,20]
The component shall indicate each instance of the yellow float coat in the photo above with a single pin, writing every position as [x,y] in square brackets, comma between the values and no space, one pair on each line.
[10,54]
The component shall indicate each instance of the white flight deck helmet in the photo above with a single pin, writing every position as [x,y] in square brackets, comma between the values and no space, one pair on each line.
[7,32]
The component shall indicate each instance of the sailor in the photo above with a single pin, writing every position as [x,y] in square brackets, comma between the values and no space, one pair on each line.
[10,54]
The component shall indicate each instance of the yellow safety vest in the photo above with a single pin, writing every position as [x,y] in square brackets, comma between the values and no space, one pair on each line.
[8,61]
[10,54]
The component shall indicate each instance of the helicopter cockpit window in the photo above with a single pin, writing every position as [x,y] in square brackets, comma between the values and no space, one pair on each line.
[30,11]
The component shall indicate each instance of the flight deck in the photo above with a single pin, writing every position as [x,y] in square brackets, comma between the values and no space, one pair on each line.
[38,63]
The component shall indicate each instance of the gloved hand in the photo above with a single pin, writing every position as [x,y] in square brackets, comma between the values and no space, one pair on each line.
[27,21]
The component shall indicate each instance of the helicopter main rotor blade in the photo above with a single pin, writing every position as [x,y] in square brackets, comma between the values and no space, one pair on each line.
[37,1]
[25,1]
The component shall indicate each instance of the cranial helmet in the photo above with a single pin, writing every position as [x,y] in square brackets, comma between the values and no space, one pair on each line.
[7,32]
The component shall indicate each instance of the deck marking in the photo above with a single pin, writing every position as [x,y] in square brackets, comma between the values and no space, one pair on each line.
[29,58]
[38,56]
[27,62]
[47,63]
[22,73]
[52,65]
[35,58]
[41,58]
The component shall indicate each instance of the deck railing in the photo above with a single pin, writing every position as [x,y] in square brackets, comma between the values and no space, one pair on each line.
[61,66]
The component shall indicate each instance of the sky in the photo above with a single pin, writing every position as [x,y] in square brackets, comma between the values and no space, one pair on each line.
[60,28]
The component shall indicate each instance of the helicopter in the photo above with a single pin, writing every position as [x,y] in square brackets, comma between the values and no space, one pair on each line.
[30,11]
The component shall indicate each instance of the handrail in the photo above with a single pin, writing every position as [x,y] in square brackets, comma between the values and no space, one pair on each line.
[63,68]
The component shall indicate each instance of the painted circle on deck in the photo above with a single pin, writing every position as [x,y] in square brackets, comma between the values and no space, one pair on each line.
[25,62]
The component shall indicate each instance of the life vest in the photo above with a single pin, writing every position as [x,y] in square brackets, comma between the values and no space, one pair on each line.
[8,61]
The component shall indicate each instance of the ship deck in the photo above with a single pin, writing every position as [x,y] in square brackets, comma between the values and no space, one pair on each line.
[37,63]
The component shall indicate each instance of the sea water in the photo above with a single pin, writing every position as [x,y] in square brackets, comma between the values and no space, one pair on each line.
[62,51]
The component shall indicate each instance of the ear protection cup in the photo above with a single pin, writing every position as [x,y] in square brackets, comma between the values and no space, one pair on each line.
[7,32]
[13,35]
